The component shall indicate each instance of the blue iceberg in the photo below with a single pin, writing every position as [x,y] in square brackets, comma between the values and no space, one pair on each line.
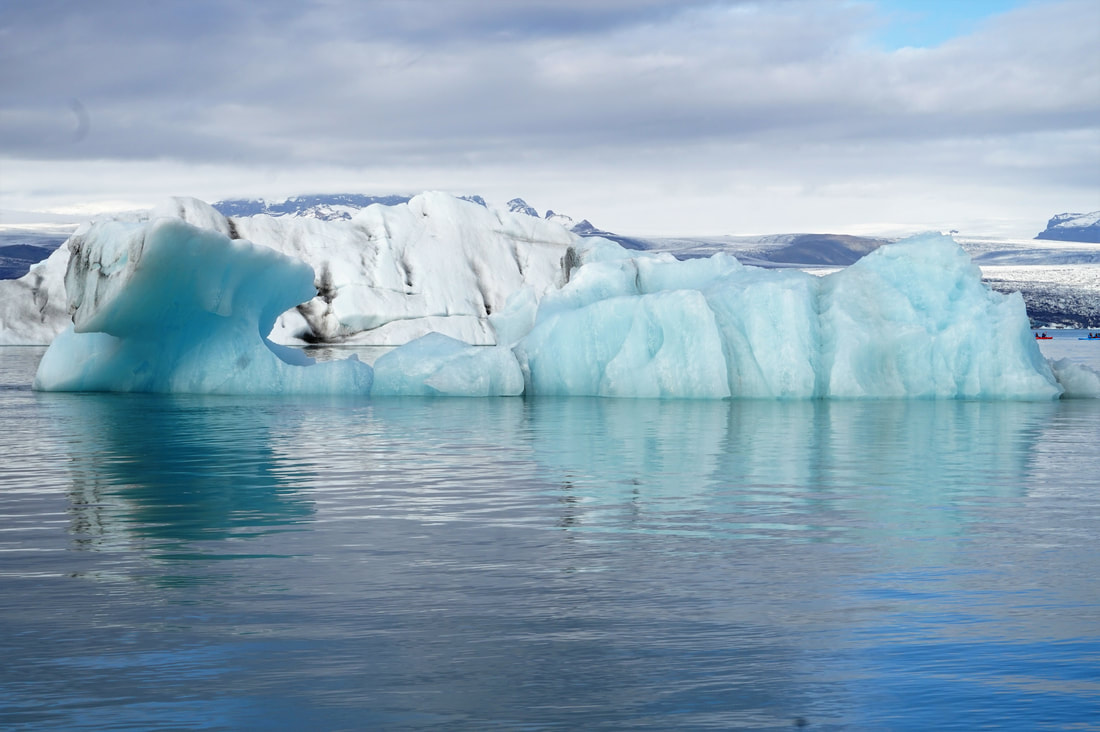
[911,319]
[169,307]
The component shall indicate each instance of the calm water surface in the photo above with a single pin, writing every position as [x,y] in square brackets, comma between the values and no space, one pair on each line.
[545,564]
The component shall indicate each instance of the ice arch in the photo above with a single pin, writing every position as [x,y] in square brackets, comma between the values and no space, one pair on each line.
[169,307]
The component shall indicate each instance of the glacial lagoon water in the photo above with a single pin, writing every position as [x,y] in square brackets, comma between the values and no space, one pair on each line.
[546,564]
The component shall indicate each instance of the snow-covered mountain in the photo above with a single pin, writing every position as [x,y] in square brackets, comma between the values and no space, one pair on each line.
[344,206]
[324,207]
[582,228]
[1082,227]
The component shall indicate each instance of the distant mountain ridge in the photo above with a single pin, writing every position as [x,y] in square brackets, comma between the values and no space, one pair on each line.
[342,206]
[1080,227]
[17,259]
[20,250]
[776,250]
[790,249]
[326,207]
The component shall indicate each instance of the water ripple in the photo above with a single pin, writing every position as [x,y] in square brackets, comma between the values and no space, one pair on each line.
[223,563]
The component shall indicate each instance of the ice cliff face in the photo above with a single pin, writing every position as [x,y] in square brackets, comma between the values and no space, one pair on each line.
[1073,227]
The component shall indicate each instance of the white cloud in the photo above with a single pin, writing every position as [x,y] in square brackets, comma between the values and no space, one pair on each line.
[594,102]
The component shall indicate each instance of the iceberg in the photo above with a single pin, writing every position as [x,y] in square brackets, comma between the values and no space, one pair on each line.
[1078,380]
[170,307]
[662,344]
[914,320]
[385,276]
[909,320]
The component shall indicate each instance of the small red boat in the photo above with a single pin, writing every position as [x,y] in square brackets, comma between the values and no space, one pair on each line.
[1043,337]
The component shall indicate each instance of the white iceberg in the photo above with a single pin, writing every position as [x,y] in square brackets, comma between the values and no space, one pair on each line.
[388,275]
[1078,380]
[33,308]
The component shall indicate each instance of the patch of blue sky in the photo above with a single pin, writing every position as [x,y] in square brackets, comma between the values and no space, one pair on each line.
[930,23]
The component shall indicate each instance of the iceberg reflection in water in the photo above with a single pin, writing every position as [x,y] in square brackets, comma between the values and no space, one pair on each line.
[403,563]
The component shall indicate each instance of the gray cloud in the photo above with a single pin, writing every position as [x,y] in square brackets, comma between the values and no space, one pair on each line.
[465,83]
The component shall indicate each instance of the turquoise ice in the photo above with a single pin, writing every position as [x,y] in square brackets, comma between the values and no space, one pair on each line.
[911,320]
[170,307]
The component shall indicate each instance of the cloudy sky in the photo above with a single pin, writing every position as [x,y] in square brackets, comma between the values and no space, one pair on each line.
[645,116]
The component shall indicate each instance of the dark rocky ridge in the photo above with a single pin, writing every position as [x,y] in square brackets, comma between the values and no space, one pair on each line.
[1073,227]
[20,251]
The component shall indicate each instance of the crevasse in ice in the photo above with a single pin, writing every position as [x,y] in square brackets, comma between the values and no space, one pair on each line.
[170,307]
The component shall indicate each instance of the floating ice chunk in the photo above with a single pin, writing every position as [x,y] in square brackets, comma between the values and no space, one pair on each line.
[1080,381]
[168,307]
[437,365]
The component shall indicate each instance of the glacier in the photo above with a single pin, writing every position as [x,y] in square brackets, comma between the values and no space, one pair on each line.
[185,302]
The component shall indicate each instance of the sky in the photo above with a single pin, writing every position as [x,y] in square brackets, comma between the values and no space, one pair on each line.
[658,117]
